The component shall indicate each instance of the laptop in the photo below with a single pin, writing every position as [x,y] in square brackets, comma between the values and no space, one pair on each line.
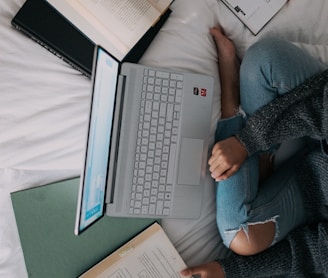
[147,142]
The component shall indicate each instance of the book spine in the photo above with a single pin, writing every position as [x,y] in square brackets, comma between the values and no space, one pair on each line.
[50,49]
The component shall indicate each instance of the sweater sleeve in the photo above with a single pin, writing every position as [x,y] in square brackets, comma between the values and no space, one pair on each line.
[301,112]
[302,254]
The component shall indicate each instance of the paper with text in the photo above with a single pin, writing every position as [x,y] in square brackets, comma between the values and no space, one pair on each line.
[255,14]
[129,17]
[149,255]
[117,25]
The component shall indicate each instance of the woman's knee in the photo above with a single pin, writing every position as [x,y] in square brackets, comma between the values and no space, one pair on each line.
[267,50]
[261,57]
[258,238]
[278,63]
[265,73]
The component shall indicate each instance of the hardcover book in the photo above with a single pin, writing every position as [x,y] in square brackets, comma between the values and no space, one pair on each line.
[69,30]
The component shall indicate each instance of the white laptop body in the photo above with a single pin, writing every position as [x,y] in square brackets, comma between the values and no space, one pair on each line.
[146,152]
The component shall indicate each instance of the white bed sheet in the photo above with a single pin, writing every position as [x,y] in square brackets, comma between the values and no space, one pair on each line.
[44,101]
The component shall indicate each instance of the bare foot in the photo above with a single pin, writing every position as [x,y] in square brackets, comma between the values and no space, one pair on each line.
[226,48]
[229,65]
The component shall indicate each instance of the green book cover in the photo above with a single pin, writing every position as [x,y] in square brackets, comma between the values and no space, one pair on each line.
[45,218]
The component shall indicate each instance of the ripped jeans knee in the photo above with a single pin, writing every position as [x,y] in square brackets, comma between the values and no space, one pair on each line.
[229,235]
[241,202]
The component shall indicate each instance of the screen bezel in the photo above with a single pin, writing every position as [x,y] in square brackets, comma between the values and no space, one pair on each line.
[78,223]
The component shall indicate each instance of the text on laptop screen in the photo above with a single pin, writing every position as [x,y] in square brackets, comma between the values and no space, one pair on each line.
[99,136]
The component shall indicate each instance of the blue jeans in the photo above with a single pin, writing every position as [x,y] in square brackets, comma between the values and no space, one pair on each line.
[270,68]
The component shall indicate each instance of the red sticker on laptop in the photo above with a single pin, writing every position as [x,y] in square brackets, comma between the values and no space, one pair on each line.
[203,92]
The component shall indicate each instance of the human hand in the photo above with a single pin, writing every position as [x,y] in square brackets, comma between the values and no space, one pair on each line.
[227,157]
[209,270]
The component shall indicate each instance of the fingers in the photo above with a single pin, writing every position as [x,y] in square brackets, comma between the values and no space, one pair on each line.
[224,172]
[227,157]
[220,165]
[227,174]
[193,271]
[209,270]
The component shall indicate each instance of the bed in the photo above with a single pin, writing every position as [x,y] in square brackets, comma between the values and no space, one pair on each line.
[44,101]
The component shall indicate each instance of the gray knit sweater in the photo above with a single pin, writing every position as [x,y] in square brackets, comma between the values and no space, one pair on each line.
[304,252]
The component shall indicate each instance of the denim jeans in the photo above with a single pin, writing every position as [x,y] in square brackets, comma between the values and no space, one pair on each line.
[270,68]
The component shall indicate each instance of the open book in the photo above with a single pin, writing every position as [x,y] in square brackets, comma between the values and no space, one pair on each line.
[255,14]
[149,254]
[117,25]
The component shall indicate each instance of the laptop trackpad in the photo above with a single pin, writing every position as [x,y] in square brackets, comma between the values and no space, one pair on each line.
[190,162]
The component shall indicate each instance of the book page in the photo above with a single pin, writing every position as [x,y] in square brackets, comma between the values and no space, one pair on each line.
[150,255]
[161,5]
[127,19]
[255,13]
[88,24]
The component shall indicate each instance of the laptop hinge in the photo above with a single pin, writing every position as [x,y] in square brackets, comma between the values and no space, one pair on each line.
[116,131]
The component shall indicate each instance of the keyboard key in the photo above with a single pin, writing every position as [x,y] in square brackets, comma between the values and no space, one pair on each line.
[162,74]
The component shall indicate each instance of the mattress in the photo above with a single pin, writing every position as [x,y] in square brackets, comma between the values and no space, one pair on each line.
[44,101]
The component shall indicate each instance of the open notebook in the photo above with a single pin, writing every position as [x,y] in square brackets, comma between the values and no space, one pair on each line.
[49,27]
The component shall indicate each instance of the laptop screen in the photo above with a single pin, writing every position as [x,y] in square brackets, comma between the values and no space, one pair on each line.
[94,175]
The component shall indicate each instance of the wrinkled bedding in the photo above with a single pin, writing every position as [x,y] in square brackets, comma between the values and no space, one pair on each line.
[44,101]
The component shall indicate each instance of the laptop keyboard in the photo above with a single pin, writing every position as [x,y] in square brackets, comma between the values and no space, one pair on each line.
[158,125]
